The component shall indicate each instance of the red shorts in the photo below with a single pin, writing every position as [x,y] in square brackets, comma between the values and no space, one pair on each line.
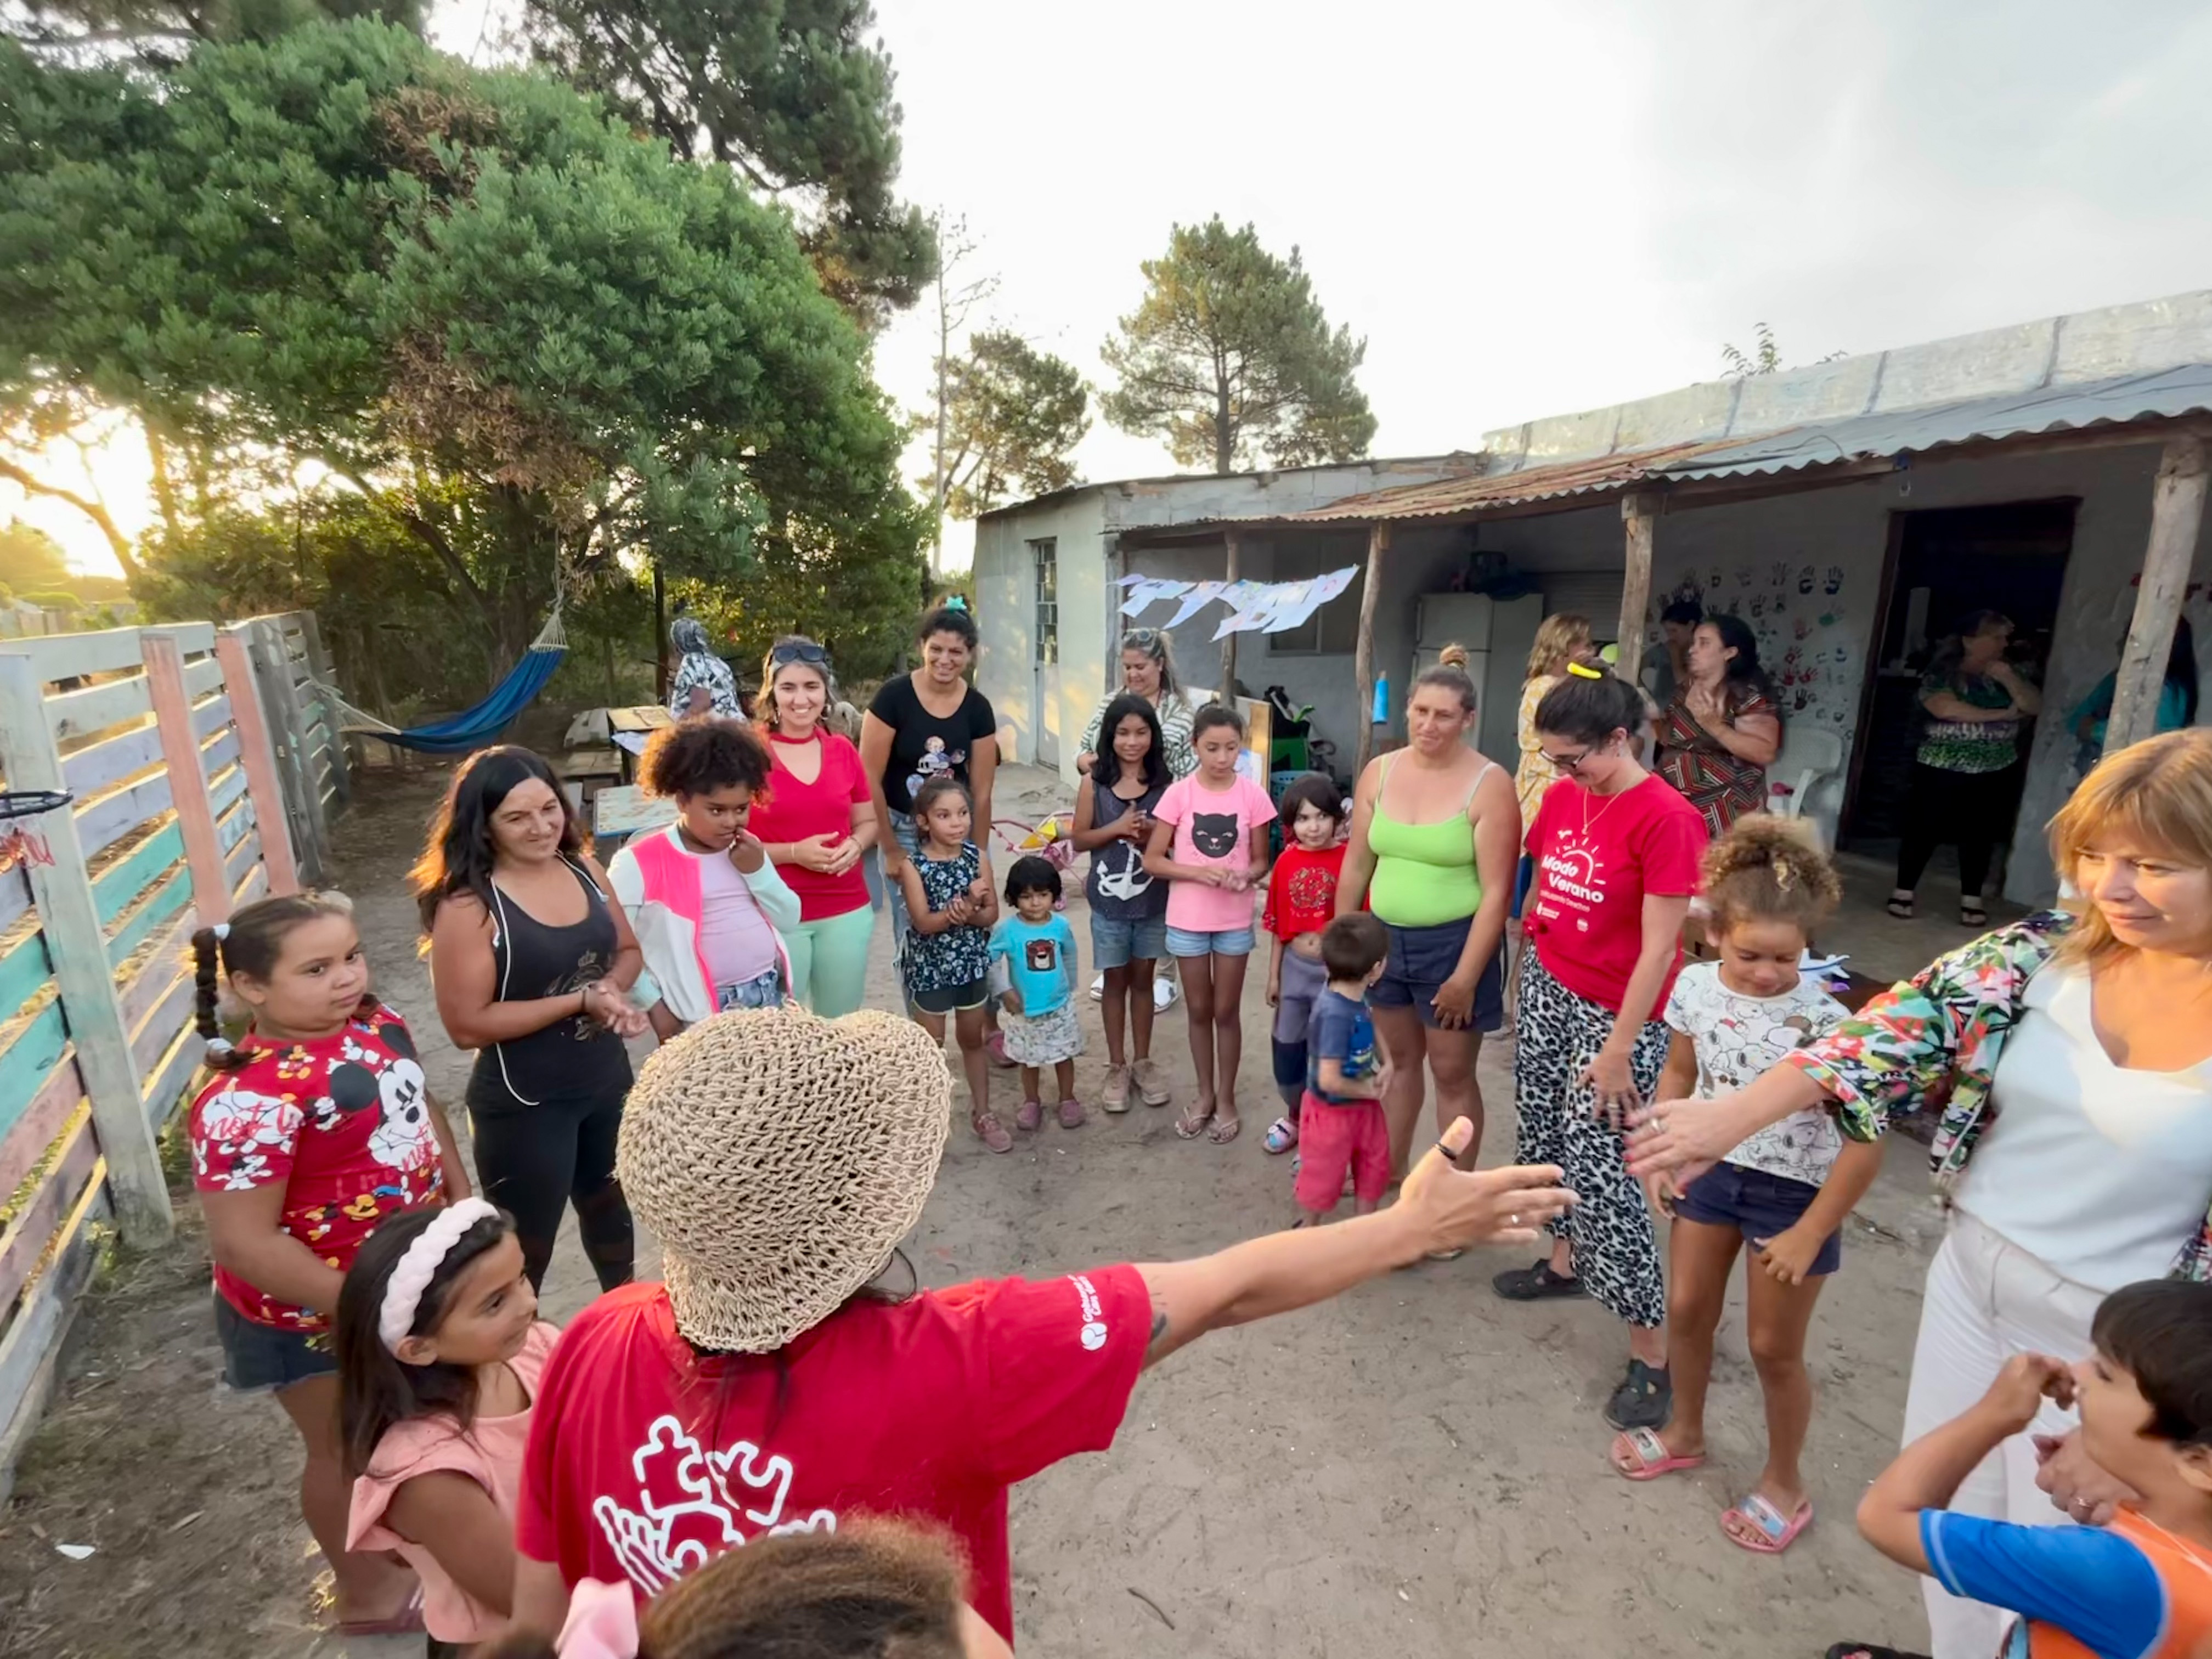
[1332,1139]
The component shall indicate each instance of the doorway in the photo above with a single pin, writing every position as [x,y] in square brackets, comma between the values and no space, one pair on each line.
[1942,564]
[1044,565]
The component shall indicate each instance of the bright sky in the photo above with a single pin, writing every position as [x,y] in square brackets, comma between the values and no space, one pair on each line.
[1534,208]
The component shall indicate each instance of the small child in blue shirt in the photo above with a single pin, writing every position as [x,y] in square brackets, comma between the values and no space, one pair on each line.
[1033,969]
[2139,1588]
[1340,1122]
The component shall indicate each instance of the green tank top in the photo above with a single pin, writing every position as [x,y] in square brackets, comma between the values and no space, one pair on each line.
[1425,873]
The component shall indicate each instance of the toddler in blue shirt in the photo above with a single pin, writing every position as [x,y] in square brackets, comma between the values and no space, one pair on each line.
[1033,969]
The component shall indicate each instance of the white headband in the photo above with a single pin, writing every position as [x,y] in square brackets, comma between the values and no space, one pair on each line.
[403,1295]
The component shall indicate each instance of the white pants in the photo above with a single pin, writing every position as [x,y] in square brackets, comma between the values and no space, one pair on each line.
[1987,1300]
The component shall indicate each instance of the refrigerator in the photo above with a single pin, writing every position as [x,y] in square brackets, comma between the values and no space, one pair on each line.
[1498,635]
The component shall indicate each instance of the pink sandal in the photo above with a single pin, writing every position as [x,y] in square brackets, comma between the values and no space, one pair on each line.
[1651,1455]
[1775,1534]
[1029,1115]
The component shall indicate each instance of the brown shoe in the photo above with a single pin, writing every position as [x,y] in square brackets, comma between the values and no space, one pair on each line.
[1151,1088]
[1115,1096]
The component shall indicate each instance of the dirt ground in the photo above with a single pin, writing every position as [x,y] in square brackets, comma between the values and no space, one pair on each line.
[1418,1467]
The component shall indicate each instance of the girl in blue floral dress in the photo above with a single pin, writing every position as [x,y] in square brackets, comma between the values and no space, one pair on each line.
[945,957]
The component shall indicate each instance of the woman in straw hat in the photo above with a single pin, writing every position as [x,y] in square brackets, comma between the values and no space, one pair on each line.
[2072,1059]
[765,1388]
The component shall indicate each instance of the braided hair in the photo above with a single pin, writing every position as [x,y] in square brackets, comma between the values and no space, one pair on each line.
[251,944]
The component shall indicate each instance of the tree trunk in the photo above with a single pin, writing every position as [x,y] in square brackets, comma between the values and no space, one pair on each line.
[118,542]
[660,637]
[1224,435]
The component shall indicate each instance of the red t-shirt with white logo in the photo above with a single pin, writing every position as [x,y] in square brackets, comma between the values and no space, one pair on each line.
[1301,891]
[342,1124]
[647,1460]
[1596,857]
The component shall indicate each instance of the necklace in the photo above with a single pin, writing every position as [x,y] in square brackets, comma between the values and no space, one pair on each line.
[1590,818]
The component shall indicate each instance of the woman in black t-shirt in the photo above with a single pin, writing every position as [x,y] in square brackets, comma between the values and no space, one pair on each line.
[928,724]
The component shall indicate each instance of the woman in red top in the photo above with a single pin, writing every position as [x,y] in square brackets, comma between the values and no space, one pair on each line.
[312,1128]
[817,819]
[766,1388]
[1616,853]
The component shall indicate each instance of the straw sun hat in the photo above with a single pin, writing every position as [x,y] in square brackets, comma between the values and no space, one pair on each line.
[780,1157]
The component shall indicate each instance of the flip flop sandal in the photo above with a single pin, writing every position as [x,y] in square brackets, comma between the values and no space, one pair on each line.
[1193,1124]
[1972,915]
[1645,1399]
[1902,909]
[1535,1284]
[1225,1130]
[1776,1535]
[1282,1135]
[1651,1455]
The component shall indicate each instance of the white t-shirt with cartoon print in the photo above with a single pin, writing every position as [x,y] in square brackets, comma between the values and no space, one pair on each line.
[1736,1038]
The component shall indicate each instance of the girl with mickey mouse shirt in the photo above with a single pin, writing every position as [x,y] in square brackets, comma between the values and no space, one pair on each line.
[313,1127]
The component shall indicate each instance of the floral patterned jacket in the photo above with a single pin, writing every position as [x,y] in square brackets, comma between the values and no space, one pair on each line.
[1934,1042]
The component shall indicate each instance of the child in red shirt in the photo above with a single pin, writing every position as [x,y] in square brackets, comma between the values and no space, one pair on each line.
[315,1126]
[1301,899]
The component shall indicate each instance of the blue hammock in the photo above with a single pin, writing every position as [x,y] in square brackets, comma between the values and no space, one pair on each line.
[472,728]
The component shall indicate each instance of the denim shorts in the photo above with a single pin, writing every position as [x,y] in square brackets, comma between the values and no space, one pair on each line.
[762,990]
[269,1359]
[1117,942]
[1226,942]
[1421,959]
[1758,1205]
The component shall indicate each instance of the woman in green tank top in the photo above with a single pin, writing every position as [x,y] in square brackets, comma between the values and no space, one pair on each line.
[1436,830]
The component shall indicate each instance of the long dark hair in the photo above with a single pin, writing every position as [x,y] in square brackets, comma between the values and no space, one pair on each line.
[252,944]
[457,856]
[1589,704]
[377,1391]
[1742,670]
[1155,758]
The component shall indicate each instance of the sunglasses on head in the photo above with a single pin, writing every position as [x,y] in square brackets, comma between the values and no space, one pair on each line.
[1144,639]
[804,651]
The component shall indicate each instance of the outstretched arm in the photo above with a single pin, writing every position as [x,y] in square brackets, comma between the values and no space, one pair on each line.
[1439,1208]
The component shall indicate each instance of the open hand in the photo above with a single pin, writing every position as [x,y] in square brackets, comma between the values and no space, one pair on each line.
[1451,1208]
[2077,1485]
[1685,1137]
[1608,1078]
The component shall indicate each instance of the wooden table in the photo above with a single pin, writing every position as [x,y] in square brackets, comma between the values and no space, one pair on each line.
[621,810]
[641,720]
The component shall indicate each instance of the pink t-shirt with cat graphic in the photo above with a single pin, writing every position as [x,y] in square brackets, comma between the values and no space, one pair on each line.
[1212,827]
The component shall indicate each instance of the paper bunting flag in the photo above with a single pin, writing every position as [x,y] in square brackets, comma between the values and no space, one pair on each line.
[1199,594]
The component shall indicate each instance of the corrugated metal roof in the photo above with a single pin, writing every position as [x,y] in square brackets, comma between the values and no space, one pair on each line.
[2163,394]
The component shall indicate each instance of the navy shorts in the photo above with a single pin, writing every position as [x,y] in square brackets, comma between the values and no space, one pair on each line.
[1759,1206]
[1421,959]
[265,1358]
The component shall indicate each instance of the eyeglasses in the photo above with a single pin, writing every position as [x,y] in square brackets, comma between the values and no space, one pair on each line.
[791,651]
[1565,763]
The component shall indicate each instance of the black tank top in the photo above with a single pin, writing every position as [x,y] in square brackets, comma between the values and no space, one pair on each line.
[573,1059]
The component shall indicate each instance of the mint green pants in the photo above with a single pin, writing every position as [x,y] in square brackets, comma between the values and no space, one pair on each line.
[829,961]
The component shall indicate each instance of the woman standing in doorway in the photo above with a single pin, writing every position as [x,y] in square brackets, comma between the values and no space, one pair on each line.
[928,724]
[532,959]
[1617,854]
[1147,672]
[1962,784]
[818,820]
[1434,831]
[1721,730]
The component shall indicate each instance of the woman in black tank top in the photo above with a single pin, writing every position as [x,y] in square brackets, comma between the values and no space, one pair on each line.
[532,959]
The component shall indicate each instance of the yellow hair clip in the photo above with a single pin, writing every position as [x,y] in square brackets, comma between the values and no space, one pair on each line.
[1585,671]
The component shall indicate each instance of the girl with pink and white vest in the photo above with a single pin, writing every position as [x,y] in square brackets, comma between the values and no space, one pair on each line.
[707,907]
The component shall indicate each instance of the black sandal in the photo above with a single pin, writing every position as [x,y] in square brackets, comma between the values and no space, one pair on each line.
[1535,1284]
[1900,908]
[1644,1400]
[1972,915]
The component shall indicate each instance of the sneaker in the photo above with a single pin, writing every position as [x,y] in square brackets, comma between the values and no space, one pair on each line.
[1537,1284]
[1071,1115]
[1151,1088]
[991,1131]
[1115,1096]
[1644,1400]
[1029,1115]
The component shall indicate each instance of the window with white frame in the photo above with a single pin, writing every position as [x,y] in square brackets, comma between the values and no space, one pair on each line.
[1044,557]
[1334,630]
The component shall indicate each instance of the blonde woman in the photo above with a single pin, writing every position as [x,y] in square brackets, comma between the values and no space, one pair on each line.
[2074,1057]
[1561,638]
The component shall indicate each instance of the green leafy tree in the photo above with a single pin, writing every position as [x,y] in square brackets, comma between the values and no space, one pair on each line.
[30,558]
[167,29]
[793,94]
[1765,356]
[1013,417]
[537,341]
[1231,361]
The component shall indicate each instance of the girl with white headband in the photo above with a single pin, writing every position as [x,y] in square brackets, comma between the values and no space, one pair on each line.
[314,1124]
[439,1351]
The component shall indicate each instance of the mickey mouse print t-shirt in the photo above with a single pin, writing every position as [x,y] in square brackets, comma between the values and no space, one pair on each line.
[1211,828]
[342,1124]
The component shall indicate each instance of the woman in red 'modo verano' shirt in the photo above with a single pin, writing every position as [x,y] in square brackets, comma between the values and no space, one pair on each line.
[1616,852]
[766,1388]
[817,820]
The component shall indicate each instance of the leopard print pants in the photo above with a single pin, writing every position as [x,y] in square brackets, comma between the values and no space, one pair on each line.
[1616,1254]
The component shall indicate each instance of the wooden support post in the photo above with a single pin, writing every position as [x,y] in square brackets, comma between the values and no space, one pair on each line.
[280,702]
[188,790]
[1378,544]
[1637,513]
[77,947]
[2177,512]
[1233,542]
[259,756]
[321,666]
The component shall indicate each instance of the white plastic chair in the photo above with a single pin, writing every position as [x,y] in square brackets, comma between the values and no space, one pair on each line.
[1807,779]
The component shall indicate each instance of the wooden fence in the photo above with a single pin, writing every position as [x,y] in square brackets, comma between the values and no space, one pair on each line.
[204,771]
